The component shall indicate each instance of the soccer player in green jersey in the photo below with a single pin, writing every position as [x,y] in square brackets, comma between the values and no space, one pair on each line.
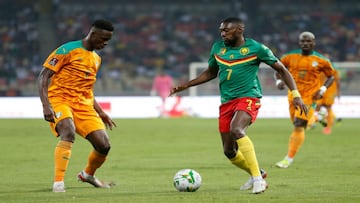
[235,60]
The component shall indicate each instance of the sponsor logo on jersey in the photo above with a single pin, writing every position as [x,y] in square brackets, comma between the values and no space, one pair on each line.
[58,114]
[53,61]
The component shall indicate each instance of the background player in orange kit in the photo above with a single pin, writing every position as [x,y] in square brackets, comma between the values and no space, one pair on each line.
[306,66]
[66,92]
[324,112]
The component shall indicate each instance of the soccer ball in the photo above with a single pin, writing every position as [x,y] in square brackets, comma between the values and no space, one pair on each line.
[187,180]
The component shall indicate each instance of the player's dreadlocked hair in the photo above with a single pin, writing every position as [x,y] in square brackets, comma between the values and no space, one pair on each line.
[103,24]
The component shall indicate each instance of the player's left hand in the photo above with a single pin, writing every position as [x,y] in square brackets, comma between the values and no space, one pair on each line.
[109,123]
[317,96]
[300,104]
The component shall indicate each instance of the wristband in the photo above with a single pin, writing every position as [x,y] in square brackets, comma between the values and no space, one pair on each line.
[278,81]
[322,89]
[295,93]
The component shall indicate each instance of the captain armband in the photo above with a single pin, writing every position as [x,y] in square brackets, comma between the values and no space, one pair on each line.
[295,93]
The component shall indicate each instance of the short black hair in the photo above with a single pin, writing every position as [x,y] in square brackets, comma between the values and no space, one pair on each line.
[103,24]
[233,20]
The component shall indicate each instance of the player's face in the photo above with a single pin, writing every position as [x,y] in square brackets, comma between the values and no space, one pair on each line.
[100,39]
[306,43]
[229,33]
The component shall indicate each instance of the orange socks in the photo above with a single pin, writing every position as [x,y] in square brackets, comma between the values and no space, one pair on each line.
[297,138]
[95,160]
[246,148]
[62,157]
[330,118]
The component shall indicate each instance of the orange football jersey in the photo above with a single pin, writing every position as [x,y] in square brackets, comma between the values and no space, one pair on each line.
[76,70]
[306,71]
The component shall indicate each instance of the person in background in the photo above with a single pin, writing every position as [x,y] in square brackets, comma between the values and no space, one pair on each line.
[324,113]
[235,60]
[66,92]
[306,66]
[161,87]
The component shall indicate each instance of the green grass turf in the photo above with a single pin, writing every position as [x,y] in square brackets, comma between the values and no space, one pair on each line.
[146,154]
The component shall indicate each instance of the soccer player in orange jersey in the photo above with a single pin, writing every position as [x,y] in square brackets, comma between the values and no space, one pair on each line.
[306,66]
[66,92]
[324,111]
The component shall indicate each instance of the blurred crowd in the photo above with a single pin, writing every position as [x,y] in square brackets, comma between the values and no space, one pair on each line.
[153,36]
[19,47]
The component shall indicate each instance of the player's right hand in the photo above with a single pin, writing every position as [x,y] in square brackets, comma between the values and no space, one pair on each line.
[49,114]
[300,104]
[177,89]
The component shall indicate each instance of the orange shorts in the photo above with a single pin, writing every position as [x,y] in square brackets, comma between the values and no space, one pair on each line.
[86,119]
[227,110]
[295,112]
[328,99]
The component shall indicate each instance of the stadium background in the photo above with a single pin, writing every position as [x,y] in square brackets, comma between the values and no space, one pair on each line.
[168,35]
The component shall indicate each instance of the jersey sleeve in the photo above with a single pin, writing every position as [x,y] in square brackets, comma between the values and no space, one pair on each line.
[56,60]
[266,55]
[328,69]
[212,61]
[285,60]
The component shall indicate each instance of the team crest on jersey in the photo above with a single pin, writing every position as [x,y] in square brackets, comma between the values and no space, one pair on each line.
[223,51]
[244,51]
[315,64]
[58,114]
[53,61]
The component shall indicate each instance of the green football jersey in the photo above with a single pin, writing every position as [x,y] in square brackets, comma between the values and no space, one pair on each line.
[238,68]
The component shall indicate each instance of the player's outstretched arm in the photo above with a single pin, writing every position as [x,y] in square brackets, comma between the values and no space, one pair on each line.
[205,76]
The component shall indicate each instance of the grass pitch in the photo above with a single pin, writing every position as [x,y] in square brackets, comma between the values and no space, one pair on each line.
[146,154]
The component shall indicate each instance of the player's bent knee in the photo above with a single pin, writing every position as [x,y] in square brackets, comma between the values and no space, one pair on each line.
[238,132]
[300,122]
[229,153]
[103,149]
[67,135]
